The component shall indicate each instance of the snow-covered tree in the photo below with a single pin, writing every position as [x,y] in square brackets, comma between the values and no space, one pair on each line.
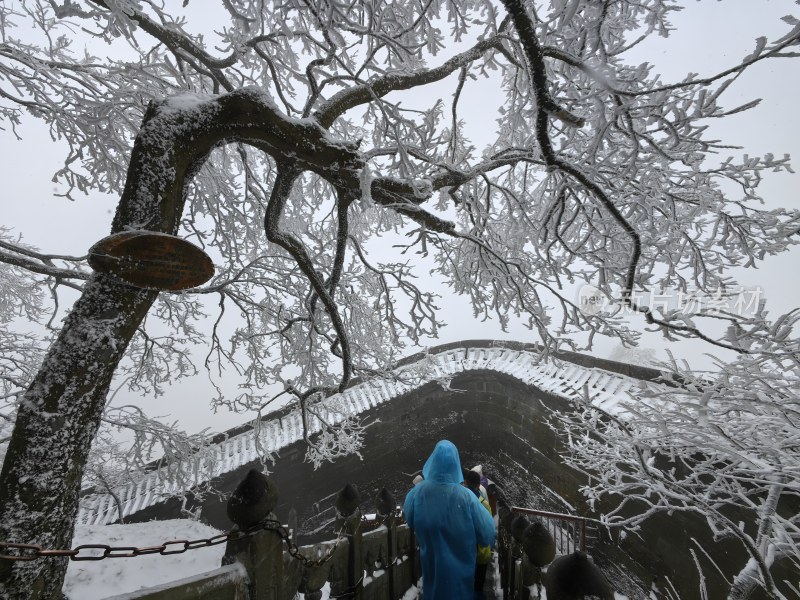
[722,445]
[298,137]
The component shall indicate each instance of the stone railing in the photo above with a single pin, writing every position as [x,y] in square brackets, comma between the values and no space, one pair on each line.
[373,559]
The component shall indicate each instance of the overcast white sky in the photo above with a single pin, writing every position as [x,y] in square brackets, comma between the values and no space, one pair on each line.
[710,36]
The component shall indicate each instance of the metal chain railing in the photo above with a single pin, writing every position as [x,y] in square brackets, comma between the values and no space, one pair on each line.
[34,551]
[29,552]
[294,550]
[379,519]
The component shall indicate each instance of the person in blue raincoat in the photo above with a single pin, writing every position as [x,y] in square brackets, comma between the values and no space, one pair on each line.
[449,523]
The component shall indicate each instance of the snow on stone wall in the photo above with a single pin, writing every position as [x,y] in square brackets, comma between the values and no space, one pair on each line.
[559,377]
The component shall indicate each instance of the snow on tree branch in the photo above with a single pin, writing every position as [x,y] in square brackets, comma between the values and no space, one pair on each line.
[319,153]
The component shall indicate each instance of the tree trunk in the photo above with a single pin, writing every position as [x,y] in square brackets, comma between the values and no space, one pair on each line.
[56,423]
[60,413]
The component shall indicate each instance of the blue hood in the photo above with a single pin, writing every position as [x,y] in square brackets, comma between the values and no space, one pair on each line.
[443,465]
[450,524]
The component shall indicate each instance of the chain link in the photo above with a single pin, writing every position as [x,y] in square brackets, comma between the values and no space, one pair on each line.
[27,552]
[294,549]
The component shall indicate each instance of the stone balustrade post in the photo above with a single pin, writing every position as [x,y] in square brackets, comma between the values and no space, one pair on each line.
[261,553]
[521,573]
[312,580]
[413,556]
[517,525]
[386,511]
[507,547]
[539,550]
[538,544]
[348,522]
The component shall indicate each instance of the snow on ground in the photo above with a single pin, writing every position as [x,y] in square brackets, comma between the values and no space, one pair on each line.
[92,580]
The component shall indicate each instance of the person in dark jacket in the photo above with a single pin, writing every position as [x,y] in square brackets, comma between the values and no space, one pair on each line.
[484,487]
[450,523]
[472,482]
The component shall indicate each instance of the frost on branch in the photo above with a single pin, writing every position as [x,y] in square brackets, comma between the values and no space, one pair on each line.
[343,439]
[722,441]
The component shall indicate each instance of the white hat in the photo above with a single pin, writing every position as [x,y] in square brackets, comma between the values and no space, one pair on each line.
[478,469]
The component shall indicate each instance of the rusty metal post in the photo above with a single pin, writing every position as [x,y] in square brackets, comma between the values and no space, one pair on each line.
[583,535]
[261,553]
